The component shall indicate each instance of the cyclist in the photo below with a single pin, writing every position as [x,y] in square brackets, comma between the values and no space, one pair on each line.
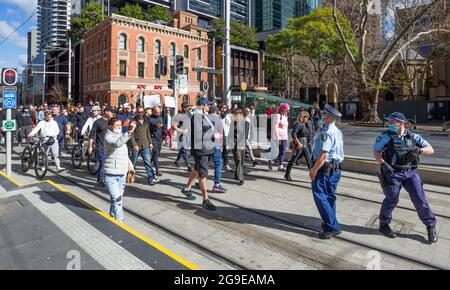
[49,130]
[95,115]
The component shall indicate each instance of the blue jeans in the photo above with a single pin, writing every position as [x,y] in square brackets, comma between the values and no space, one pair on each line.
[217,165]
[115,184]
[145,154]
[101,163]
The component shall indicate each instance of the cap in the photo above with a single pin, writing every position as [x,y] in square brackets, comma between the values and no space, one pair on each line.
[400,117]
[185,105]
[284,106]
[109,109]
[126,105]
[331,111]
[203,101]
[96,108]
[214,110]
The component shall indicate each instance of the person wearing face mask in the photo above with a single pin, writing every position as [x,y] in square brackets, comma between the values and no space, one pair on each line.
[328,154]
[117,164]
[397,151]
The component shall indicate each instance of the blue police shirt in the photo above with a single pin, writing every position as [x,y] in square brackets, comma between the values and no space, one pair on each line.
[330,140]
[383,139]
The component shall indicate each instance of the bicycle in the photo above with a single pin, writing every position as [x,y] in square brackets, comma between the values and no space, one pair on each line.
[80,153]
[34,155]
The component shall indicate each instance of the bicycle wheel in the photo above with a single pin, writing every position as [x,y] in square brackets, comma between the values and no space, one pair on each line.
[41,164]
[92,163]
[77,156]
[26,160]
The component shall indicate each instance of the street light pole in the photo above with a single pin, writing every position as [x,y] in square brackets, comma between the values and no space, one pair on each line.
[43,81]
[227,55]
[69,85]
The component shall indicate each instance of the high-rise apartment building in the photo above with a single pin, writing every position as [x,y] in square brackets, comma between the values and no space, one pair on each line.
[53,23]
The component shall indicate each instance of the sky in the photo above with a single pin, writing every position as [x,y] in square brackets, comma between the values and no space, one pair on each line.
[13,52]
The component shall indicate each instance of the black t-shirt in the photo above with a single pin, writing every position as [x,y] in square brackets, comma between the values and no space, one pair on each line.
[98,132]
[156,132]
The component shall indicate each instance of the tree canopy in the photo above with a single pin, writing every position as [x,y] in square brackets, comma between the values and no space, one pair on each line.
[91,15]
[132,10]
[240,34]
[156,13]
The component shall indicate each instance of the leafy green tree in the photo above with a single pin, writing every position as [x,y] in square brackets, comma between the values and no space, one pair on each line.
[132,10]
[157,12]
[240,34]
[91,15]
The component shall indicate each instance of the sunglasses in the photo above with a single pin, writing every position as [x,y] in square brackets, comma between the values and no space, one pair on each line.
[141,112]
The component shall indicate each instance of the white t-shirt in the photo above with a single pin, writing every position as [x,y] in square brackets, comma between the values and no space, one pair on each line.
[48,129]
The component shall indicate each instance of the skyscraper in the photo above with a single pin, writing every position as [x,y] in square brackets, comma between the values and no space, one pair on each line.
[53,23]
[32,50]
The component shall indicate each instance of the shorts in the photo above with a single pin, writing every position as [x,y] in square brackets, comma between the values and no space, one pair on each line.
[201,165]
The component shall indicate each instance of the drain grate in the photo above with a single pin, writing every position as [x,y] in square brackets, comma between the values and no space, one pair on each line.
[397,226]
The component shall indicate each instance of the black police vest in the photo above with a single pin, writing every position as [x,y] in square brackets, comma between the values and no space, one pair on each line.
[397,148]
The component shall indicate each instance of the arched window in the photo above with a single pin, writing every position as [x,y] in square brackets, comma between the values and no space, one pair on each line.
[172,49]
[186,51]
[140,44]
[199,53]
[186,99]
[123,41]
[122,100]
[157,47]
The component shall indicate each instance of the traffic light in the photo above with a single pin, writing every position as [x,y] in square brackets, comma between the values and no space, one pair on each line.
[170,84]
[9,76]
[162,65]
[179,65]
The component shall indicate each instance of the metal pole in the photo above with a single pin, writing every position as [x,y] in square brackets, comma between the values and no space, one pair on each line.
[69,87]
[175,96]
[227,55]
[8,145]
[214,66]
[43,82]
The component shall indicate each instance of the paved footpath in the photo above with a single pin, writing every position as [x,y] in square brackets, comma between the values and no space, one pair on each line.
[270,223]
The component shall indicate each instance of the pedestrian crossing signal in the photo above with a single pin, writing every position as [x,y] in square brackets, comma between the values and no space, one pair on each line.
[9,76]
[179,65]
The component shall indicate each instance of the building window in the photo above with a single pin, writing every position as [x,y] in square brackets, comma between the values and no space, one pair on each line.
[105,43]
[157,47]
[123,68]
[105,69]
[186,52]
[186,72]
[199,53]
[172,71]
[186,99]
[141,68]
[98,46]
[140,44]
[199,76]
[98,71]
[123,42]
[172,49]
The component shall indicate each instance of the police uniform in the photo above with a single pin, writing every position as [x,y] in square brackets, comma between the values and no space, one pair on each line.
[394,148]
[324,185]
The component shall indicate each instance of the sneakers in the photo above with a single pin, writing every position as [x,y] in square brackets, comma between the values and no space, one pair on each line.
[432,237]
[208,204]
[101,183]
[386,230]
[154,182]
[328,234]
[158,173]
[188,194]
[270,164]
[281,168]
[228,168]
[177,164]
[189,168]
[217,188]
[255,163]
[242,182]
[61,169]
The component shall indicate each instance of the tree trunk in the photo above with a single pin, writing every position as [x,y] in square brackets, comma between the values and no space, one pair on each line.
[374,118]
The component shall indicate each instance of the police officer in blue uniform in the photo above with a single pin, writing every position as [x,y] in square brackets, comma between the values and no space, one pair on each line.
[328,154]
[397,151]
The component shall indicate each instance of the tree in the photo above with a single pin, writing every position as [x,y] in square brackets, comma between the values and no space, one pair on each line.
[240,34]
[156,13]
[406,30]
[309,47]
[58,93]
[91,15]
[132,10]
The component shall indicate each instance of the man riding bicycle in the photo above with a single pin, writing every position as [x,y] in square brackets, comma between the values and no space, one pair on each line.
[49,130]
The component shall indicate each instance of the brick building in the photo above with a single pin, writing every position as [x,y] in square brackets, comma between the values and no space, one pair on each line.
[120,57]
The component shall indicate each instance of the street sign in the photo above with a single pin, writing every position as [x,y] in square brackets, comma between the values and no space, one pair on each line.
[10,89]
[209,70]
[9,125]
[9,100]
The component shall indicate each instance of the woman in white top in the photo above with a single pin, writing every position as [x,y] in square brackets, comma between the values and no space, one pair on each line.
[49,129]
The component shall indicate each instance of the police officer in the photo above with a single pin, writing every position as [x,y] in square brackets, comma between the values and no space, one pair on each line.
[328,154]
[397,151]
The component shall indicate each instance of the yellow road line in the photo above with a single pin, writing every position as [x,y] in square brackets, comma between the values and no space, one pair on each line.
[131,231]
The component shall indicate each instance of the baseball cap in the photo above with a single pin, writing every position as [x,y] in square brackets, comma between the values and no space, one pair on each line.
[203,101]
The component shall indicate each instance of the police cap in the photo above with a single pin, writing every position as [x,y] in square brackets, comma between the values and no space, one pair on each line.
[332,112]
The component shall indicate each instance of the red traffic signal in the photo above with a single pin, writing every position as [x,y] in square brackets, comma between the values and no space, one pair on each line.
[179,65]
[9,76]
